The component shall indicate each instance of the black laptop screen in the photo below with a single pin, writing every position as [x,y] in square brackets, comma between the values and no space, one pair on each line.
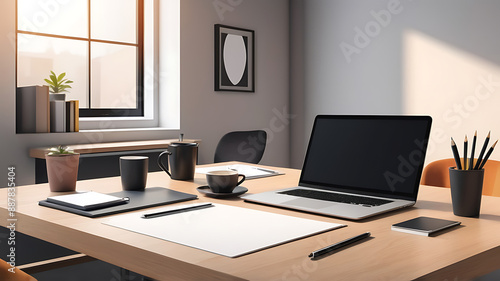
[372,155]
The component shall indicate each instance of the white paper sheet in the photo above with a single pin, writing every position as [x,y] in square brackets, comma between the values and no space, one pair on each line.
[251,172]
[225,230]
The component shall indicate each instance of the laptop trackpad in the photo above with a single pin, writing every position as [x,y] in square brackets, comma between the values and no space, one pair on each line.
[312,204]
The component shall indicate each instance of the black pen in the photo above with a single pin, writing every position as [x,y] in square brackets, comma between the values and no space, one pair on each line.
[177,210]
[339,245]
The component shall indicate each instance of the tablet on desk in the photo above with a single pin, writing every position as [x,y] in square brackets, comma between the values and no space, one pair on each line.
[424,225]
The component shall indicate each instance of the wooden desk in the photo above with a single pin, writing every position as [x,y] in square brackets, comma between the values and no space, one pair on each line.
[471,250]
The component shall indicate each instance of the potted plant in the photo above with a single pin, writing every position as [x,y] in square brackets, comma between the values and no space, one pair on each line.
[58,85]
[62,168]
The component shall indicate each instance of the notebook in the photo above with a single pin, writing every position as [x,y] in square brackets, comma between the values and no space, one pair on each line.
[357,166]
[88,200]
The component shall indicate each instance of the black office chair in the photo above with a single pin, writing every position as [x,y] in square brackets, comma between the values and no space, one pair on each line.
[243,146]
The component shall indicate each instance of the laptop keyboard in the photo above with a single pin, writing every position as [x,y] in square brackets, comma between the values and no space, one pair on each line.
[336,197]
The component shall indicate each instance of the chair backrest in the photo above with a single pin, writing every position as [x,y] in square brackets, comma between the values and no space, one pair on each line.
[18,275]
[436,173]
[244,146]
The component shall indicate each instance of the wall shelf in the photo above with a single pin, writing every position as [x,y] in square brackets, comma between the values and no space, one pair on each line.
[112,147]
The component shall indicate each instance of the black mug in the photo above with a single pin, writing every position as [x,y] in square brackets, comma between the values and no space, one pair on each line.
[134,172]
[182,158]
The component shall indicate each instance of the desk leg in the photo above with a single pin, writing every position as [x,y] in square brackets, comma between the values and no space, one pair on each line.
[124,274]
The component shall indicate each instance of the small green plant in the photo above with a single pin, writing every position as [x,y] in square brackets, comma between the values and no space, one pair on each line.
[60,150]
[57,83]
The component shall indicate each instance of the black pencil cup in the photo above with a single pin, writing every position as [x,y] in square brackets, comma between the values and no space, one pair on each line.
[466,190]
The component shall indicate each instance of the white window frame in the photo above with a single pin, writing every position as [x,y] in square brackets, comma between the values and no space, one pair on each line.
[162,75]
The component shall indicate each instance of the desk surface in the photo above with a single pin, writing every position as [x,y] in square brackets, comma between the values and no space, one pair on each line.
[468,251]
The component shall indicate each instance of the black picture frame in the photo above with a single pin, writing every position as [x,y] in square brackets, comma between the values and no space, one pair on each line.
[234,59]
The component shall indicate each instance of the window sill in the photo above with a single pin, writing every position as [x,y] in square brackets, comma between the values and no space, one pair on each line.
[150,129]
[108,119]
[117,123]
[128,130]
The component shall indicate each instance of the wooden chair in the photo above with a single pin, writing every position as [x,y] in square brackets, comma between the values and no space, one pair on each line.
[436,173]
[16,275]
[22,271]
[244,146]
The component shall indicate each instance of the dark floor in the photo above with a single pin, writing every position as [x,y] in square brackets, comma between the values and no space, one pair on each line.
[29,250]
[493,276]
[95,271]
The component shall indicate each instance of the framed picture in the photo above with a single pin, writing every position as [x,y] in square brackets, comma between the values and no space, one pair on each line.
[234,59]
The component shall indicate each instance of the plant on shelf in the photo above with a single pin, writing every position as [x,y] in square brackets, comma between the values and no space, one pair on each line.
[60,151]
[62,168]
[58,85]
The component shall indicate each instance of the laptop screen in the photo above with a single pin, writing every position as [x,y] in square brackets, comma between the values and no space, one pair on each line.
[371,155]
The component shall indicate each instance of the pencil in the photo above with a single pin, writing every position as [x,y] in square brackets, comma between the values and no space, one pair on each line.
[465,152]
[479,159]
[471,162]
[455,154]
[487,155]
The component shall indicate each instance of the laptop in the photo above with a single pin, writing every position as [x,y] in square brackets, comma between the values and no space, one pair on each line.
[357,166]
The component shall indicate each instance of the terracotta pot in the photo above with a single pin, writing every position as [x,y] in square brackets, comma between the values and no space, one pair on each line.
[62,171]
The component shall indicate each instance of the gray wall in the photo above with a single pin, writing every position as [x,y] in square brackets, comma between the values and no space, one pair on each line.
[298,133]
[210,114]
[205,114]
[428,58]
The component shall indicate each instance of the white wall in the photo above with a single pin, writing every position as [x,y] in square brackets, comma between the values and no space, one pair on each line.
[404,57]
[205,114]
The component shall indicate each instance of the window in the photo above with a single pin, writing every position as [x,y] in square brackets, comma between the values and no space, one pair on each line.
[98,43]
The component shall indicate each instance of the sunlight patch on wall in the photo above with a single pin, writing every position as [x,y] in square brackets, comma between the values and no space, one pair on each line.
[461,91]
